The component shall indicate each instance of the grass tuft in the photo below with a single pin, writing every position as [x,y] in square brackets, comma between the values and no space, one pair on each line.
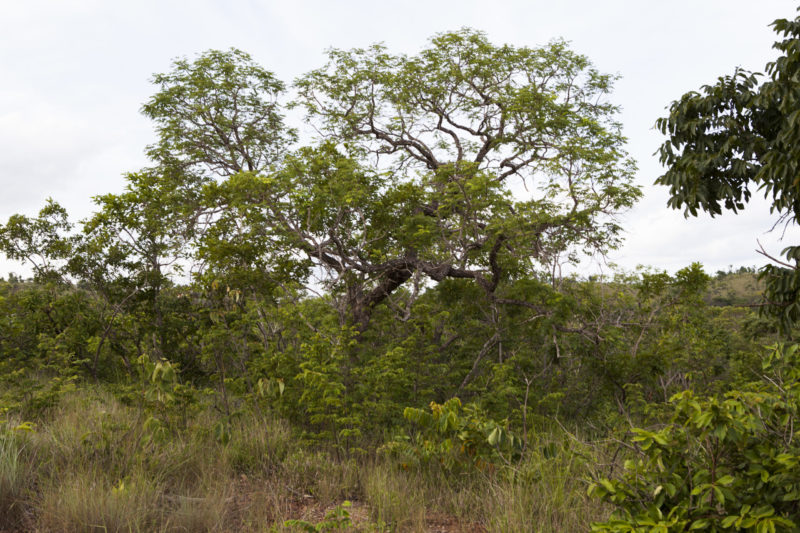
[87,502]
[15,479]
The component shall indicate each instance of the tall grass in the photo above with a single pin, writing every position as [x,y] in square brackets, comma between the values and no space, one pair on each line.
[87,501]
[15,479]
[548,496]
[92,465]
[544,493]
[397,499]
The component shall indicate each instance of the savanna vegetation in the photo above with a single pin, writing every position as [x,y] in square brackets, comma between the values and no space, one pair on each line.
[365,323]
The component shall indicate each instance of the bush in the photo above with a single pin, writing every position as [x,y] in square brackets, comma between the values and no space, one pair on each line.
[720,465]
[455,437]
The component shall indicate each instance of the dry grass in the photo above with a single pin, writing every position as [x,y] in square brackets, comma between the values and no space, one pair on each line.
[86,501]
[15,478]
[209,509]
[547,494]
[397,500]
[92,466]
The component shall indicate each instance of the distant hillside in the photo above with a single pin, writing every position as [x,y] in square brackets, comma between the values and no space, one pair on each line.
[734,288]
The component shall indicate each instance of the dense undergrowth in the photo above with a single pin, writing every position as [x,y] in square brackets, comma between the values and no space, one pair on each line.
[275,423]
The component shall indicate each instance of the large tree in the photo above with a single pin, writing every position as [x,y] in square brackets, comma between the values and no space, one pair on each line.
[467,160]
[743,132]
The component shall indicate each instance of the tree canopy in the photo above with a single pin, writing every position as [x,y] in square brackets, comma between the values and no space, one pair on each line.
[739,133]
[467,160]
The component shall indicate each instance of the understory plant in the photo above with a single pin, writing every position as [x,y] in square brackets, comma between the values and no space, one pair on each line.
[456,437]
[721,464]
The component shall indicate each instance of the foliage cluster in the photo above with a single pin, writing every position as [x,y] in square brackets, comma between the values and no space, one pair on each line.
[455,437]
[721,464]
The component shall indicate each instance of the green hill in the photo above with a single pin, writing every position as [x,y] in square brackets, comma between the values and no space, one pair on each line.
[735,288]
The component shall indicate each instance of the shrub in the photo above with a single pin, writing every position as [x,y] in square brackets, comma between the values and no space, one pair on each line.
[455,437]
[720,465]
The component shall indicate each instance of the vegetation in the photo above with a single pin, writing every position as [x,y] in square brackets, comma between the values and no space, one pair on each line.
[729,463]
[370,330]
[735,134]
[720,465]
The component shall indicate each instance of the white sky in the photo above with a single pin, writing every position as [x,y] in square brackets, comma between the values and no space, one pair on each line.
[74,73]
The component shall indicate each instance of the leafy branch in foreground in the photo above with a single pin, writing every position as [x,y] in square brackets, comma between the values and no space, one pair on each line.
[721,464]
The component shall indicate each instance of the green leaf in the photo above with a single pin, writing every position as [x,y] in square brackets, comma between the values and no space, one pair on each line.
[725,480]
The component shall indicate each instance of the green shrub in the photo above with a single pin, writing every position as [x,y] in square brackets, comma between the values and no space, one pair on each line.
[720,465]
[455,437]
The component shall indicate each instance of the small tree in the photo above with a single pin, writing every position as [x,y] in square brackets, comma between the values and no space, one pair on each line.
[41,242]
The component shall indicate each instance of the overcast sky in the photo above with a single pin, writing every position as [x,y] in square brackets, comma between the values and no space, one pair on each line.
[74,73]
